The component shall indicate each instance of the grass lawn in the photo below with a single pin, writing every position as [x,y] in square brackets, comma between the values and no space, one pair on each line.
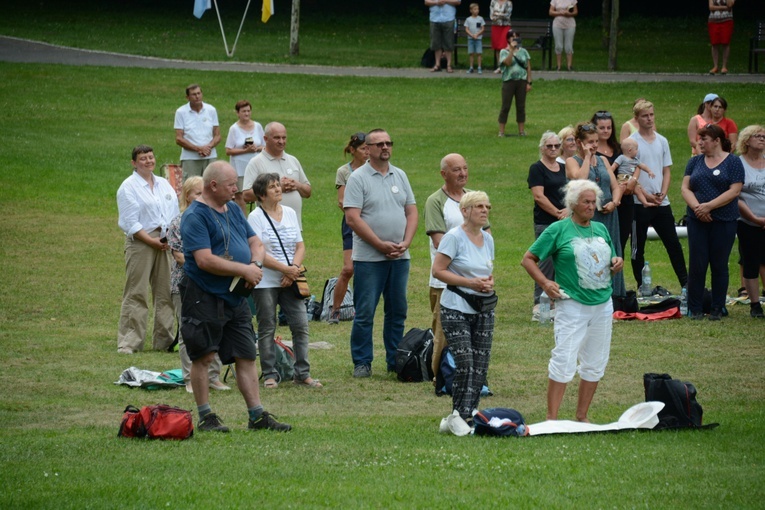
[396,39]
[357,443]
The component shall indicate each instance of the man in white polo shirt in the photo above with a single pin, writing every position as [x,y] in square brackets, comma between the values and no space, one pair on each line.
[273,159]
[197,132]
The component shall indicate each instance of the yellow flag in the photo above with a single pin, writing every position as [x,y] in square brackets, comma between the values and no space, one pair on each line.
[268,10]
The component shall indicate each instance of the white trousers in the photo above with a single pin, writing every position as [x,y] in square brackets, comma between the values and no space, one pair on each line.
[582,335]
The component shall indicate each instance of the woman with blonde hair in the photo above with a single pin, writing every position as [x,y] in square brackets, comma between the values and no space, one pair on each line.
[192,188]
[567,137]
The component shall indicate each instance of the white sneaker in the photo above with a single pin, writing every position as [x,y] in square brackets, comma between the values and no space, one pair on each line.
[189,389]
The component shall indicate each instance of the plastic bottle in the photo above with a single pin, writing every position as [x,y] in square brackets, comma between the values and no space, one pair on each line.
[310,307]
[684,302]
[647,287]
[544,309]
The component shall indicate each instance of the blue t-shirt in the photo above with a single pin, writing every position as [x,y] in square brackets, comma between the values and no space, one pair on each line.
[204,227]
[709,183]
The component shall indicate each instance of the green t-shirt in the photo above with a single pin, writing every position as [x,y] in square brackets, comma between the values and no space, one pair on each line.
[518,65]
[582,259]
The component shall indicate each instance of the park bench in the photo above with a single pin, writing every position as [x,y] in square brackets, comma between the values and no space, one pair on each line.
[536,34]
[757,46]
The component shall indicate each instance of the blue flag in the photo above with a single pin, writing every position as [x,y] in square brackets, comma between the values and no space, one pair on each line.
[200,6]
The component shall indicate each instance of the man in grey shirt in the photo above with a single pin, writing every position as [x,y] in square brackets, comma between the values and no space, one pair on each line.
[380,209]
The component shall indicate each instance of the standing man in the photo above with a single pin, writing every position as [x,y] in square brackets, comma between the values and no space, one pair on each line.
[442,213]
[380,209]
[273,159]
[197,132]
[219,244]
[147,204]
[651,203]
[442,16]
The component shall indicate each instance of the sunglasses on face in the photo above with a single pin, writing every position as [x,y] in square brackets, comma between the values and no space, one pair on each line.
[381,145]
[602,114]
[552,146]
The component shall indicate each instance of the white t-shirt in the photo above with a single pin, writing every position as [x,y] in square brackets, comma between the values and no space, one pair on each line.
[289,232]
[753,192]
[235,140]
[468,260]
[197,128]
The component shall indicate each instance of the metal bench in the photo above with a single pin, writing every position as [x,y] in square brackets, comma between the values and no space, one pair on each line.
[536,34]
[757,46]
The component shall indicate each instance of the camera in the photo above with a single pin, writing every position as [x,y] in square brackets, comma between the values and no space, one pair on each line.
[518,41]
[248,141]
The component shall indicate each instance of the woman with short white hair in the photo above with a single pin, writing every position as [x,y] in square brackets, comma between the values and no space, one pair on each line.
[584,257]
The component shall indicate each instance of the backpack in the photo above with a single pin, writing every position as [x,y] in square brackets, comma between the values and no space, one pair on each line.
[347,311]
[499,421]
[681,410]
[156,422]
[445,376]
[285,360]
[414,356]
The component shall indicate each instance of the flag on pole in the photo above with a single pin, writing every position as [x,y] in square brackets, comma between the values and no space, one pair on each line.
[200,6]
[268,10]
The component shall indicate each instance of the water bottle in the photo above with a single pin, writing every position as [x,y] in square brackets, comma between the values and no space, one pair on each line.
[684,302]
[310,307]
[645,289]
[544,309]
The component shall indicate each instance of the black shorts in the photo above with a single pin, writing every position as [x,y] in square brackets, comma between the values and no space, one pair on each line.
[347,235]
[209,324]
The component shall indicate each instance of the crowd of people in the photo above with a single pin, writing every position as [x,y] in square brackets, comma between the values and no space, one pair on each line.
[591,194]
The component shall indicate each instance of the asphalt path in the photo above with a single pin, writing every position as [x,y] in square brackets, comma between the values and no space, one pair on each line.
[17,50]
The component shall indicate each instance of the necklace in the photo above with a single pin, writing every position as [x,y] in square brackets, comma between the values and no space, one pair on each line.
[226,240]
[587,239]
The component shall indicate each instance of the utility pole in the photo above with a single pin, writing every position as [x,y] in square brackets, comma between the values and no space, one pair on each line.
[295,29]
[614,32]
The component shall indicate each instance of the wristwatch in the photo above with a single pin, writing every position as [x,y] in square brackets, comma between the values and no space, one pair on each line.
[257,263]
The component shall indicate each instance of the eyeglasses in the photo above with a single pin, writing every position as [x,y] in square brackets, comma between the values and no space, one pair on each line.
[759,136]
[358,138]
[602,114]
[381,145]
[552,146]
[587,128]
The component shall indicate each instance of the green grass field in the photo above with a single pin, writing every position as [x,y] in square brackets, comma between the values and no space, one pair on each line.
[358,443]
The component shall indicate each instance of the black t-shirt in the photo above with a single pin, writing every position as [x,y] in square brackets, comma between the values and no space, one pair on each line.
[552,183]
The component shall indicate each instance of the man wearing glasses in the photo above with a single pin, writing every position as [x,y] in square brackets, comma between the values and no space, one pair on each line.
[651,202]
[380,209]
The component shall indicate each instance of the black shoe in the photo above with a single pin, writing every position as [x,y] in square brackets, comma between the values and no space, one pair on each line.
[211,423]
[716,314]
[268,422]
[697,316]
[755,311]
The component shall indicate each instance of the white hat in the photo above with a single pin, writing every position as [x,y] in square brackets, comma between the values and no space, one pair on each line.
[710,97]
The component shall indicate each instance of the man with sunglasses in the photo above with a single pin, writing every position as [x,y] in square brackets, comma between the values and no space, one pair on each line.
[380,209]
[651,202]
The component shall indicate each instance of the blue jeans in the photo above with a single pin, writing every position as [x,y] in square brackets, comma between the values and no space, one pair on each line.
[709,246]
[387,278]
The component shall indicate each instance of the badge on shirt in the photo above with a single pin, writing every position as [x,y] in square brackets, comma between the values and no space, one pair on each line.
[168,197]
[394,189]
[716,172]
[289,171]
[601,240]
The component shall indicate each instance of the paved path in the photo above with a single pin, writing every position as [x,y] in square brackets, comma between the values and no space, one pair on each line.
[25,51]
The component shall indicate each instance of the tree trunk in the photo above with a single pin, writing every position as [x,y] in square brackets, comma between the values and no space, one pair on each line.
[295,29]
[614,34]
[606,22]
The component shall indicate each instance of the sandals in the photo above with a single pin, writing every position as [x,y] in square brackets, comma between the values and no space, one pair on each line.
[271,384]
[435,69]
[449,69]
[308,382]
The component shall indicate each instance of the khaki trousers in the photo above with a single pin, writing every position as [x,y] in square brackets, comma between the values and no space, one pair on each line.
[144,267]
[439,340]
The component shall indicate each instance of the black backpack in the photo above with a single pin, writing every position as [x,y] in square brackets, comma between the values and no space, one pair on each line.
[414,356]
[681,410]
[445,376]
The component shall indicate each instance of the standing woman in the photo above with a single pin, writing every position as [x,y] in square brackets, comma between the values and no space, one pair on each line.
[711,186]
[702,118]
[720,26]
[567,137]
[586,164]
[359,152]
[547,178]
[609,148]
[729,127]
[585,259]
[751,205]
[515,64]
[499,13]
[244,141]
[465,262]
[277,226]
[564,14]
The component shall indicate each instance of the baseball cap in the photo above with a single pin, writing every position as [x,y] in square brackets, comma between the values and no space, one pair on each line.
[710,97]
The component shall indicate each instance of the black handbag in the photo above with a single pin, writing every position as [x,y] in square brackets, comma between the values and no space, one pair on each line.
[480,304]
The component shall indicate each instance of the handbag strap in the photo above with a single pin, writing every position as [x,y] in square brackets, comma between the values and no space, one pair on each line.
[277,235]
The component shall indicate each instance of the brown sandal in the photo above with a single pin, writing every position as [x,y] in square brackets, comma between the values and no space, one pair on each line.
[309,382]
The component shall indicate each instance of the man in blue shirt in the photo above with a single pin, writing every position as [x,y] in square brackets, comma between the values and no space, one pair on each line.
[442,16]
[219,244]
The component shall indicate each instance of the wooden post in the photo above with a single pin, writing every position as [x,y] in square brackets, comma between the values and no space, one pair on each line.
[614,33]
[295,29]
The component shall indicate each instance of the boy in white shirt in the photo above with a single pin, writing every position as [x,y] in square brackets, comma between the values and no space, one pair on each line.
[474,26]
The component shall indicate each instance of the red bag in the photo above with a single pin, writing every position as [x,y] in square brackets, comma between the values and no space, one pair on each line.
[157,422]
